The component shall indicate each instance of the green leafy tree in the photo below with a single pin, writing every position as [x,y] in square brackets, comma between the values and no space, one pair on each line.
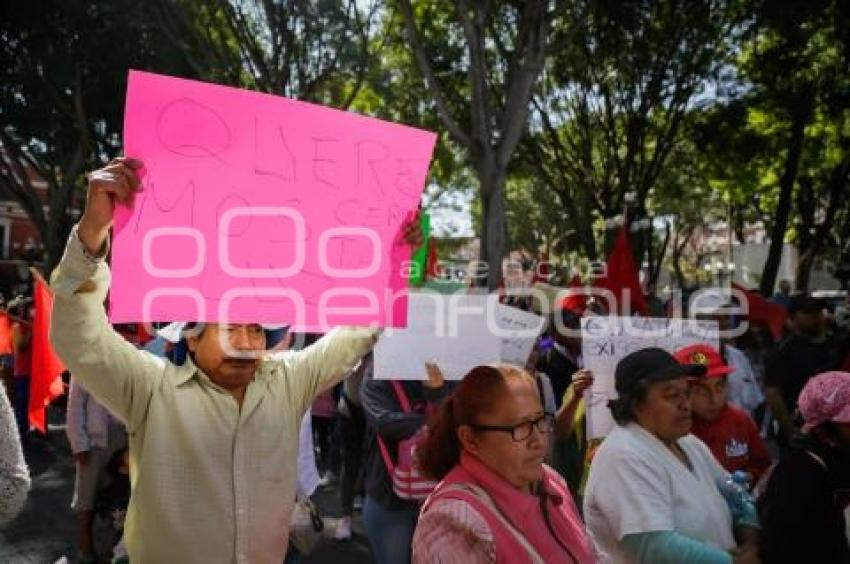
[610,109]
[63,67]
[779,146]
[798,67]
[313,51]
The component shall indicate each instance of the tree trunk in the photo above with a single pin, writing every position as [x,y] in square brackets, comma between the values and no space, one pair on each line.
[680,242]
[57,234]
[61,197]
[588,241]
[493,229]
[783,206]
[584,223]
[677,267]
[490,147]
[655,270]
[816,241]
[641,241]
[803,271]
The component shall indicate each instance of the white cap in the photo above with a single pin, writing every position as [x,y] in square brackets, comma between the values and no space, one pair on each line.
[173,332]
[708,301]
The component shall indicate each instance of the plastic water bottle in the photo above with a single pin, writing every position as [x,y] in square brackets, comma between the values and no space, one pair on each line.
[735,491]
[742,479]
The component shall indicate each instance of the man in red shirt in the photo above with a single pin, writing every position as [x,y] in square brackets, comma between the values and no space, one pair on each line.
[729,432]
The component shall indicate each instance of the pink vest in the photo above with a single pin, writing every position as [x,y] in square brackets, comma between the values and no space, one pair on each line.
[511,513]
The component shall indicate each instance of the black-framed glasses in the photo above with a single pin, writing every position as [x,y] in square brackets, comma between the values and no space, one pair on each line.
[521,431]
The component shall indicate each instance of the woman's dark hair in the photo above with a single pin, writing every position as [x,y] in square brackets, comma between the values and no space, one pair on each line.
[623,408]
[478,392]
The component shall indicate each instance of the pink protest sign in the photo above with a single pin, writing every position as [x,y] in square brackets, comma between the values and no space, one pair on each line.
[257,208]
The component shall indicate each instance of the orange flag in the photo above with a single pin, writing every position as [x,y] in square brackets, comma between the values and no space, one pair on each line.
[45,380]
[5,333]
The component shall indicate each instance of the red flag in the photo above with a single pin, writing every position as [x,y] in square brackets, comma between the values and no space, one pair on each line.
[45,380]
[543,270]
[432,262]
[765,312]
[622,274]
[142,334]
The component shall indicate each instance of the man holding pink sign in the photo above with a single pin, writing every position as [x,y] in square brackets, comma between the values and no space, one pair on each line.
[213,442]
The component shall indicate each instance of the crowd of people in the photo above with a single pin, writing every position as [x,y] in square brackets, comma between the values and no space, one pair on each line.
[739,454]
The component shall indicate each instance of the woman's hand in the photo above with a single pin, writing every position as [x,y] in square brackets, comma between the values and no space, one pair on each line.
[746,555]
[435,379]
[581,381]
[565,418]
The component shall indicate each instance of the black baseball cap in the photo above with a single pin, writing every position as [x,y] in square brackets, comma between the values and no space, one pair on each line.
[652,365]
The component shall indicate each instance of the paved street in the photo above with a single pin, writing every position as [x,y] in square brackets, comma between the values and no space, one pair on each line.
[45,531]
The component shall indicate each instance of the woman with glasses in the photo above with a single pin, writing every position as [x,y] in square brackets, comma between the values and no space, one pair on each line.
[497,501]
[655,493]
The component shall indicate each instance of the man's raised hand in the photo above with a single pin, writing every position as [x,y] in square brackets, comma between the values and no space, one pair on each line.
[117,182]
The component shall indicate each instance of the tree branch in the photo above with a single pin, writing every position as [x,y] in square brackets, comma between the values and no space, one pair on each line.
[524,68]
[430,79]
[363,62]
[251,50]
[473,22]
[17,181]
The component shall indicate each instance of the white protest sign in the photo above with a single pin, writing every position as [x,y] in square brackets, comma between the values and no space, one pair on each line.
[606,340]
[519,331]
[449,330]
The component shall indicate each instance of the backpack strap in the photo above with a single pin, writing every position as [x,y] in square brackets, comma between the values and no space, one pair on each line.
[385,454]
[817,459]
[398,388]
[405,407]
[478,498]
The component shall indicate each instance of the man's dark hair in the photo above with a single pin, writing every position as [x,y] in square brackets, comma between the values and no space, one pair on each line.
[803,303]
[569,318]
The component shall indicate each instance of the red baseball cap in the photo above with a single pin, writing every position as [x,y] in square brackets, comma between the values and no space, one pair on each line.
[705,355]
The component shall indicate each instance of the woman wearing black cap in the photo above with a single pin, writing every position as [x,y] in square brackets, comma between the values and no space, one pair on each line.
[654,490]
